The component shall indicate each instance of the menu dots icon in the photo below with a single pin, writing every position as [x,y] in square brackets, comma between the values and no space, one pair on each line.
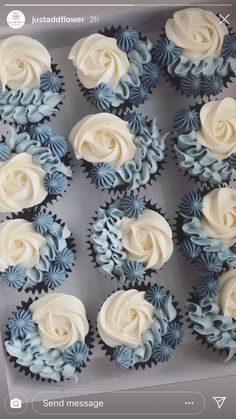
[189,403]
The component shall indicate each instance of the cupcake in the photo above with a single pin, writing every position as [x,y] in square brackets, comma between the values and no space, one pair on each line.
[119,152]
[206,141]
[139,326]
[36,251]
[115,68]
[34,168]
[50,338]
[130,238]
[212,312]
[206,229]
[30,85]
[197,52]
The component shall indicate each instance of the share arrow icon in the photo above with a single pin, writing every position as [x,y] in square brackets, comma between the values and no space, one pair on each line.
[220,401]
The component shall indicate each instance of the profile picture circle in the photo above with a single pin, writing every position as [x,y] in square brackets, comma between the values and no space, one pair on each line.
[15,19]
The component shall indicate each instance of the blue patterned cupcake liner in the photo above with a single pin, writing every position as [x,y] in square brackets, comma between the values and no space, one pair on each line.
[193,159]
[147,164]
[209,255]
[136,86]
[111,258]
[206,321]
[205,78]
[33,105]
[61,363]
[48,150]
[158,343]
[57,256]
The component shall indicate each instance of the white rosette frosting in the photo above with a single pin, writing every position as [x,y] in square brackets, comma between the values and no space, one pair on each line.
[20,244]
[219,215]
[226,297]
[218,127]
[98,59]
[61,320]
[147,239]
[21,183]
[123,317]
[22,62]
[103,137]
[198,32]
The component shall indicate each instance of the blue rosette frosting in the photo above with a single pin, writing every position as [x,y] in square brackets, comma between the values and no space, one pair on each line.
[207,253]
[147,162]
[57,255]
[33,105]
[193,77]
[48,150]
[159,342]
[135,87]
[24,346]
[193,157]
[207,319]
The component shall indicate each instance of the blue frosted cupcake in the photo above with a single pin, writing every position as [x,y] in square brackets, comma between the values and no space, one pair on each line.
[31,87]
[115,68]
[34,168]
[50,338]
[129,238]
[212,312]
[121,153]
[139,326]
[206,229]
[197,52]
[206,141]
[36,251]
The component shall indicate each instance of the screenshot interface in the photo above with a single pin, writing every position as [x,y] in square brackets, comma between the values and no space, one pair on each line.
[118,208]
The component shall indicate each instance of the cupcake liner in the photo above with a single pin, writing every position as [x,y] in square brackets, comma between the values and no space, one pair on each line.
[46,157]
[118,275]
[196,254]
[131,177]
[142,365]
[29,215]
[216,168]
[199,84]
[89,340]
[202,338]
[41,102]
[139,96]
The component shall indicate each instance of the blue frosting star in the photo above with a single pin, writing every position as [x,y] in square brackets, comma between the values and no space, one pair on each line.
[101,96]
[136,122]
[207,286]
[126,38]
[5,152]
[58,145]
[191,205]
[191,85]
[190,249]
[155,295]
[76,354]
[132,206]
[213,85]
[174,334]
[162,352]
[209,262]
[150,75]
[133,271]
[229,46]
[50,81]
[21,323]
[103,175]
[56,183]
[166,52]
[65,259]
[42,222]
[14,276]
[139,94]
[41,133]
[186,121]
[54,277]
[123,355]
